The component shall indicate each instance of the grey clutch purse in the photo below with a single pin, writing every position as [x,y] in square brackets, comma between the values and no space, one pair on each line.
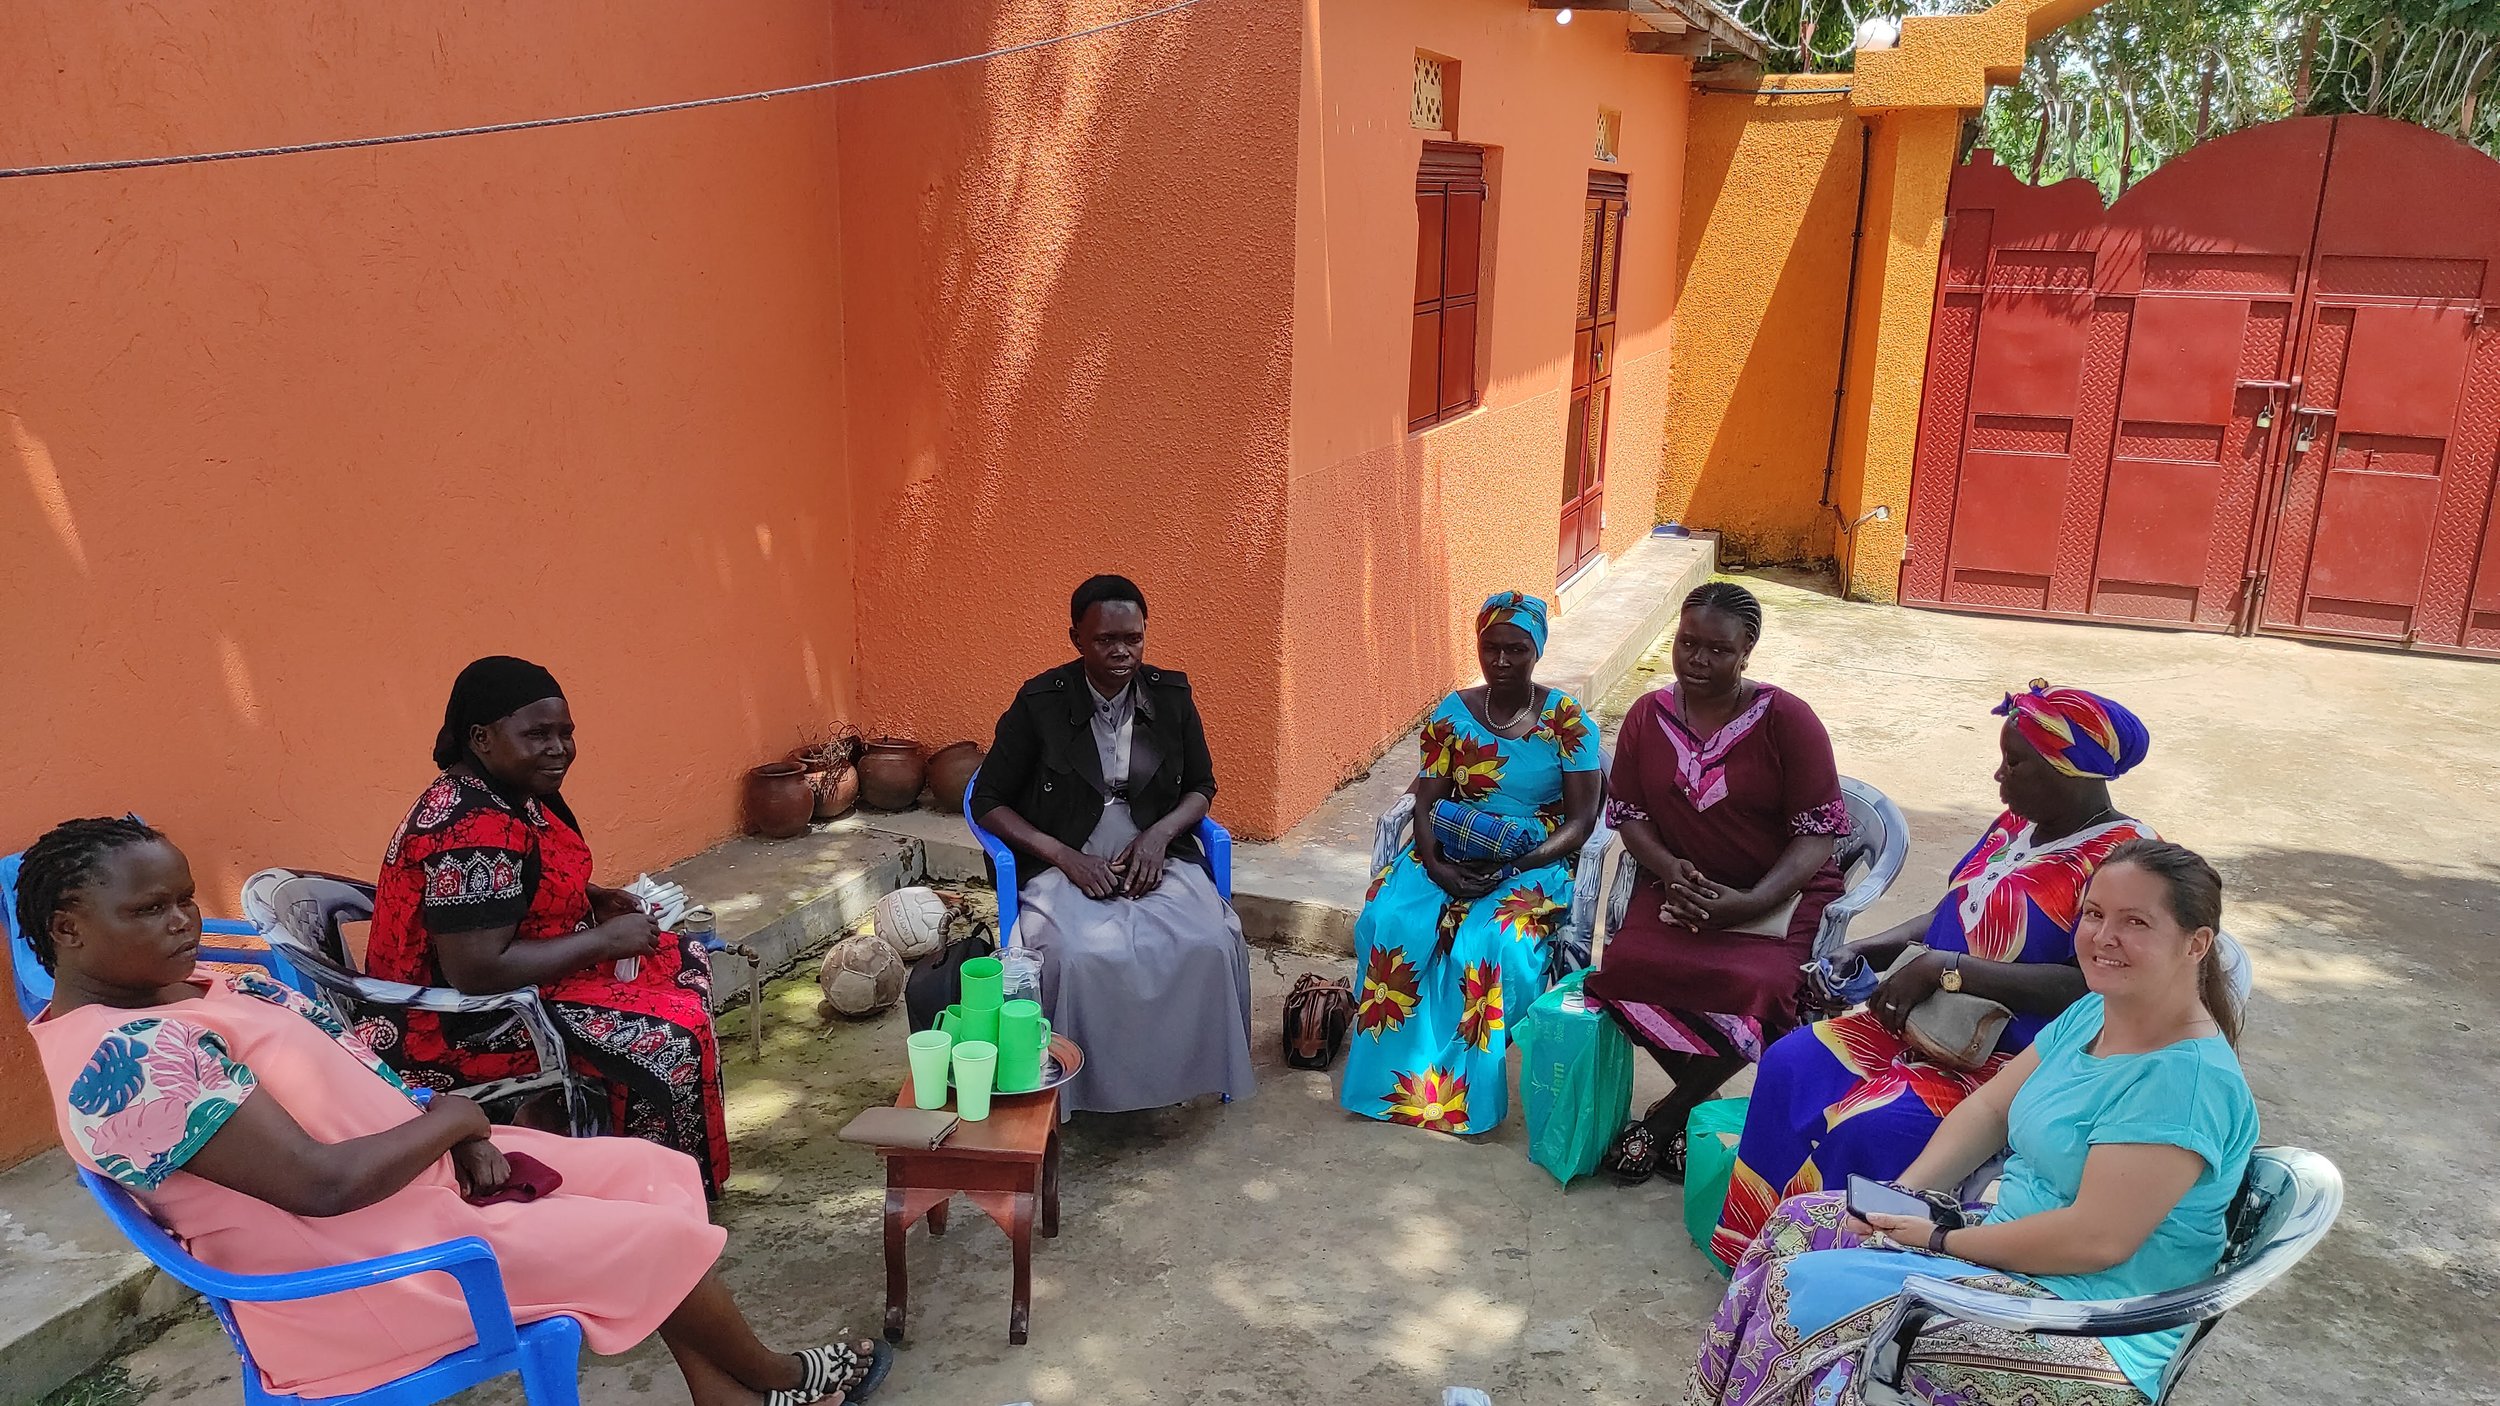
[1953,1028]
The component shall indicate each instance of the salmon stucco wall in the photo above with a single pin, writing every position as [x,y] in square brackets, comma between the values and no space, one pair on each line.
[1068,287]
[285,442]
[1395,537]
[1770,197]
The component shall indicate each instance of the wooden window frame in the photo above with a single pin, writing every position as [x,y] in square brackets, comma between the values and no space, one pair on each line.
[1450,199]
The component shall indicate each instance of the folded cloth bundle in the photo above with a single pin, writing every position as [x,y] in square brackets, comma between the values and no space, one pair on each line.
[1469,835]
[529,1180]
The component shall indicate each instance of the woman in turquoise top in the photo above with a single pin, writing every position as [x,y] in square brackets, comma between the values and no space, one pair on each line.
[1452,950]
[2131,1128]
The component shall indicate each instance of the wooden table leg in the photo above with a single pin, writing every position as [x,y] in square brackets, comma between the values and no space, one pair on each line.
[1020,1313]
[1050,1188]
[897,1278]
[937,1218]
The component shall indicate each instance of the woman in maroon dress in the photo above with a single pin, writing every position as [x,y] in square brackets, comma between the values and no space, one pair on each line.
[1726,796]
[486,888]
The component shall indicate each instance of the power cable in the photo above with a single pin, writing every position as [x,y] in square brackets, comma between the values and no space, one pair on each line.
[536,123]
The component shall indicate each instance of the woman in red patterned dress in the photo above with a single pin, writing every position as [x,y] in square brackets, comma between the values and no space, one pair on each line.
[486,888]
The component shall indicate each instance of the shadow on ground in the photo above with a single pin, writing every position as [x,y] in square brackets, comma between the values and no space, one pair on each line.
[1281,1250]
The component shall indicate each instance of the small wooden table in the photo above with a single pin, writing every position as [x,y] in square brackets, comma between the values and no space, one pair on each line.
[1004,1164]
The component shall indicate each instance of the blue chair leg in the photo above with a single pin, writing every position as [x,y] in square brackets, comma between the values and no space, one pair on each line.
[551,1363]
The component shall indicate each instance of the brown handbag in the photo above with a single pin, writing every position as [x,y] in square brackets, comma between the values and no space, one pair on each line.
[1954,1029]
[1318,1012]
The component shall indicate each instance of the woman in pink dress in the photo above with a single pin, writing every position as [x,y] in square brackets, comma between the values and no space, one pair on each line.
[269,1140]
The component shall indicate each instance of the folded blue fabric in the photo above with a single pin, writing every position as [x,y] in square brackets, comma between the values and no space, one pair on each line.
[1468,835]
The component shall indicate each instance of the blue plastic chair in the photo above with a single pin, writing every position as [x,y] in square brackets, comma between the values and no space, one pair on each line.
[34,984]
[547,1354]
[1214,838]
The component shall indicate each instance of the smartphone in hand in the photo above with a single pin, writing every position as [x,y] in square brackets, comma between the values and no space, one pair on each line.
[1867,1194]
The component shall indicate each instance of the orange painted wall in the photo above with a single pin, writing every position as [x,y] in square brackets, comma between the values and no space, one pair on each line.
[1770,196]
[1068,277]
[283,443]
[1395,538]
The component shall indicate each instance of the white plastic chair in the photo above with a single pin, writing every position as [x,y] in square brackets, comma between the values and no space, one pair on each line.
[1569,950]
[1870,858]
[2284,1209]
[301,913]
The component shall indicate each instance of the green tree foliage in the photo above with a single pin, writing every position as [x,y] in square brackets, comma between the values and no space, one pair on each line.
[2116,93]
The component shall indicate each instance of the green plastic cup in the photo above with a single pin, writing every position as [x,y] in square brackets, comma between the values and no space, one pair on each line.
[965,1023]
[984,983]
[931,1052]
[1023,1034]
[976,1069]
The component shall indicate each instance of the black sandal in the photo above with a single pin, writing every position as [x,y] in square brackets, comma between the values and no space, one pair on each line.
[1671,1158]
[1634,1157]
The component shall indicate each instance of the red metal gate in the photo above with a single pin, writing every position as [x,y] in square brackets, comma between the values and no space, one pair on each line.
[2261,392]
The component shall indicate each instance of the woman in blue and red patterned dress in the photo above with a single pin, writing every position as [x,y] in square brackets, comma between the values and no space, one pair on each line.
[486,888]
[1851,1095]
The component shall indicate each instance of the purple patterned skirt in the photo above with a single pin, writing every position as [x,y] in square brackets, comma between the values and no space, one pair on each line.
[1757,1354]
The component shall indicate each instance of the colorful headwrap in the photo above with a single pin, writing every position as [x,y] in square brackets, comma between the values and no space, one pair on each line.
[2081,734]
[1514,608]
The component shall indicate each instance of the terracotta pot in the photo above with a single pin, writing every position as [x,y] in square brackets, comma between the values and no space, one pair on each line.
[779,800]
[950,771]
[890,772]
[835,783]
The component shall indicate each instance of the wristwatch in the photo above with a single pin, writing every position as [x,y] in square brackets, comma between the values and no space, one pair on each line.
[1935,1239]
[1952,971]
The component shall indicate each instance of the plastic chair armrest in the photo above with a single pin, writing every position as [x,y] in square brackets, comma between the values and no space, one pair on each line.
[1837,916]
[1218,843]
[2074,1318]
[1389,837]
[227,927]
[1003,875]
[1588,897]
[445,1001]
[468,1260]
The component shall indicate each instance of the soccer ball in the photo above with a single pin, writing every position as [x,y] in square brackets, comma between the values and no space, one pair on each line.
[861,976]
[913,920]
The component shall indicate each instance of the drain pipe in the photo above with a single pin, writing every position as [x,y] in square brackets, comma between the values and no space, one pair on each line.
[1849,313]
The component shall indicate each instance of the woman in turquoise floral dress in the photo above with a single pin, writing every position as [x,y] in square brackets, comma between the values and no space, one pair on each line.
[1451,946]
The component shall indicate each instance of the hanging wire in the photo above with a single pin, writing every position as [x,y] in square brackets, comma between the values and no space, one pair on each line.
[577,119]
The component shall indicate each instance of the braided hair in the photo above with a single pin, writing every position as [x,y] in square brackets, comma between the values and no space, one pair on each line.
[1729,599]
[63,862]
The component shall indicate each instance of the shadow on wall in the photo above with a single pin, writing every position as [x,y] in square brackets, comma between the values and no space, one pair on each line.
[305,435]
[1067,327]
[1756,369]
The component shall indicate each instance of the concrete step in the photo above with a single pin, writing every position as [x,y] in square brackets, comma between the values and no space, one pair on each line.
[72,1290]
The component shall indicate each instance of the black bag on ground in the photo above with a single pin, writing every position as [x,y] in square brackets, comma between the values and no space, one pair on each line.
[937,981]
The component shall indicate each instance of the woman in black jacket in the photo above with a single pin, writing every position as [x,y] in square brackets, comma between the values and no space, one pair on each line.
[1097,778]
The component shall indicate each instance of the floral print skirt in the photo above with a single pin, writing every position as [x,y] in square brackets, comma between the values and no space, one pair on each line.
[1439,983]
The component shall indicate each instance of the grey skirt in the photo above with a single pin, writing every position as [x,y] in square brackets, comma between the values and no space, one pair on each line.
[1155,990]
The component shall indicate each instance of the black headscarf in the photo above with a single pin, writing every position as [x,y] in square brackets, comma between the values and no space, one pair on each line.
[488,691]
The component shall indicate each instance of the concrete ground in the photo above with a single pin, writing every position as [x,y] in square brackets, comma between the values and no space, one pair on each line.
[1278,1249]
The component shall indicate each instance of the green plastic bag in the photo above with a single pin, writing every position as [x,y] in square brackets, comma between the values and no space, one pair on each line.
[1709,1162]
[1576,1069]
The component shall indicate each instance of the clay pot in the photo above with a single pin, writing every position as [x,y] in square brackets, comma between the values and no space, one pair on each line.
[950,771]
[890,772]
[778,800]
[835,783]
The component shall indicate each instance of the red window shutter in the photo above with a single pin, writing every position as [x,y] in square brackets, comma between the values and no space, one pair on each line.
[1449,253]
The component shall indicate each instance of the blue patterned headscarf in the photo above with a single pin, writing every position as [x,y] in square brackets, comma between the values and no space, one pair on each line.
[1514,608]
